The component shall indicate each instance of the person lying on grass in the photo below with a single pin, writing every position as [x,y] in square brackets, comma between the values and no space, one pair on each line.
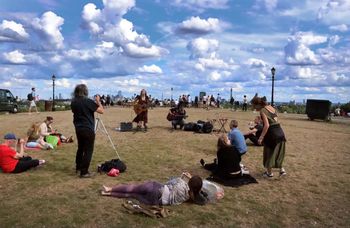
[12,161]
[173,192]
[227,164]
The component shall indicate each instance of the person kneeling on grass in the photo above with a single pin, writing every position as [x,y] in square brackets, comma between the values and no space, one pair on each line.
[12,161]
[174,192]
[237,139]
[255,130]
[227,164]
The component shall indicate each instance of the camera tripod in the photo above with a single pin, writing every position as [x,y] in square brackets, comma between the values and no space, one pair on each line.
[100,126]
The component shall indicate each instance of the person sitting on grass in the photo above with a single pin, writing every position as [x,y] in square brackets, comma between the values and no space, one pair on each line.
[255,131]
[237,139]
[35,140]
[12,161]
[177,115]
[174,192]
[227,163]
[45,130]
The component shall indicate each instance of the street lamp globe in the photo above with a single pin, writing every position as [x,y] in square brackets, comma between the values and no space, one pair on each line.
[273,70]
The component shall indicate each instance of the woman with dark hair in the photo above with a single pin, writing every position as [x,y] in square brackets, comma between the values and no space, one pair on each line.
[174,192]
[83,110]
[227,164]
[272,137]
[141,104]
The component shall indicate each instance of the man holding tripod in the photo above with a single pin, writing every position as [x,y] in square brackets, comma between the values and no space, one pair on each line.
[83,110]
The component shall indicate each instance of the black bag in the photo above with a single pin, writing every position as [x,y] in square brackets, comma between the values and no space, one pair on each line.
[198,127]
[125,126]
[203,127]
[207,127]
[30,96]
[189,126]
[114,163]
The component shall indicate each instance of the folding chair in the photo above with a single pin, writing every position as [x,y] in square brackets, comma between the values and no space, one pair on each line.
[222,122]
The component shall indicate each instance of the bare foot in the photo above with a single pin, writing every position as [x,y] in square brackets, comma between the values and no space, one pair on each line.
[106,189]
[105,193]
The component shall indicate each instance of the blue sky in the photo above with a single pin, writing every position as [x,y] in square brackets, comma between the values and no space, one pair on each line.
[187,45]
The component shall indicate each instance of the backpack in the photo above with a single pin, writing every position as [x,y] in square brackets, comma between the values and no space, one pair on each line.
[114,163]
[203,127]
[207,127]
[189,126]
[30,96]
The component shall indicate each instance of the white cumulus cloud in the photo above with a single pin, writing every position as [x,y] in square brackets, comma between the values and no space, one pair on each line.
[298,52]
[202,47]
[268,5]
[15,57]
[340,28]
[12,32]
[196,25]
[152,69]
[49,26]
[214,76]
[335,12]
[117,8]
[256,63]
[109,25]
[201,5]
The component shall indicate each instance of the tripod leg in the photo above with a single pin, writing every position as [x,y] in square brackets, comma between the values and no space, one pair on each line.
[109,137]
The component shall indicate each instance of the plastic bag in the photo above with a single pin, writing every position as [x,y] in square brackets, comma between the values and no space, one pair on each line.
[51,139]
[214,191]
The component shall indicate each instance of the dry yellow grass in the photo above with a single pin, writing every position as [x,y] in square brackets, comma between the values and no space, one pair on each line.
[316,191]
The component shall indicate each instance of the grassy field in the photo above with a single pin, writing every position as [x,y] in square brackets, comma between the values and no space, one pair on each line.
[315,192]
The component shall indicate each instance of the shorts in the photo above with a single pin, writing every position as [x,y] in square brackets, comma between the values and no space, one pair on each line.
[32,104]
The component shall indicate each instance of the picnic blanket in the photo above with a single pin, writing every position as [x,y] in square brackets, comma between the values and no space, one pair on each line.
[235,181]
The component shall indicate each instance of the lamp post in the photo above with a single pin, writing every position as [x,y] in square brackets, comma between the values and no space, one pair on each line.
[231,94]
[171,94]
[53,92]
[273,70]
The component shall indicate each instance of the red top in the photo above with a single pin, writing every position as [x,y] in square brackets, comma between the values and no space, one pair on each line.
[7,160]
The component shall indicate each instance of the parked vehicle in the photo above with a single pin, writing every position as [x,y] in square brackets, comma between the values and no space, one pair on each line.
[318,109]
[7,101]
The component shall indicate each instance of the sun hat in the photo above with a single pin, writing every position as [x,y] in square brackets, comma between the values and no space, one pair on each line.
[10,136]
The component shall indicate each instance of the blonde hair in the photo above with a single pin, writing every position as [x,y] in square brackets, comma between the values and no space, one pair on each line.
[222,141]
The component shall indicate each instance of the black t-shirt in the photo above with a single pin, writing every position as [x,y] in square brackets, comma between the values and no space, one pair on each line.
[83,109]
[259,128]
[228,160]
